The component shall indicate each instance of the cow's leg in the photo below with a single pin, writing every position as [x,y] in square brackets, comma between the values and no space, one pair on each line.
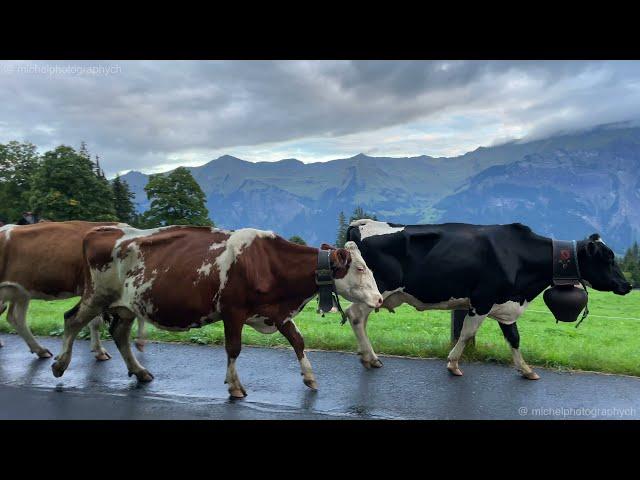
[96,345]
[291,333]
[469,329]
[233,345]
[17,317]
[3,307]
[121,333]
[510,332]
[74,321]
[141,336]
[358,314]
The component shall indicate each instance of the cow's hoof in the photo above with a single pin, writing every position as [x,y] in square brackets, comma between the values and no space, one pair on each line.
[139,346]
[143,376]
[374,363]
[454,369]
[237,392]
[311,383]
[58,369]
[531,375]
[44,353]
[103,356]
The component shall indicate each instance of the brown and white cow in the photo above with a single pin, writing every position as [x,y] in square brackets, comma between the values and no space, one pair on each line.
[184,277]
[44,261]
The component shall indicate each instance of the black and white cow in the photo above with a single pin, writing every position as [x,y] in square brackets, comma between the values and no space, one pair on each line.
[490,270]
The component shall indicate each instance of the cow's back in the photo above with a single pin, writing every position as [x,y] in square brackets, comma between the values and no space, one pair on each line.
[44,258]
[167,275]
[440,261]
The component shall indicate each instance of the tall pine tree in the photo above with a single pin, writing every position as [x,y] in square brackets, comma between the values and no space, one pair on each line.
[342,230]
[630,264]
[123,200]
[359,213]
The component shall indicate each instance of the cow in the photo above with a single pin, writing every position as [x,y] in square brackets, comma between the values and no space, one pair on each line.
[44,261]
[489,270]
[183,277]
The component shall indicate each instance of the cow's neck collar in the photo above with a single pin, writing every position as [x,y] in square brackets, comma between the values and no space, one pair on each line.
[566,270]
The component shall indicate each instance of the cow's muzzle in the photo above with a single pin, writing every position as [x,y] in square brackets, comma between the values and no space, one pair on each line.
[378,301]
[623,289]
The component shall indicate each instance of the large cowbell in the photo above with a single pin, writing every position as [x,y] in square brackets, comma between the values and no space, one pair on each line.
[564,298]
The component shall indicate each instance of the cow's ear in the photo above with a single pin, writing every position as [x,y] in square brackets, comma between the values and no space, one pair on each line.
[592,248]
[326,246]
[341,259]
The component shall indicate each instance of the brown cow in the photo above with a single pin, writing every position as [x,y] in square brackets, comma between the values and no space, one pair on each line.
[44,261]
[185,277]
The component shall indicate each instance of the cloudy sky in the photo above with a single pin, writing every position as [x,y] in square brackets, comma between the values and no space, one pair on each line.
[155,115]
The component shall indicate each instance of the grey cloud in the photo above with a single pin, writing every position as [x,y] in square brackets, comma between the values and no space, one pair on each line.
[148,111]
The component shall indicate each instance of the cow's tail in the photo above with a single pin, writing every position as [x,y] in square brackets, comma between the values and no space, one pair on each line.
[70,313]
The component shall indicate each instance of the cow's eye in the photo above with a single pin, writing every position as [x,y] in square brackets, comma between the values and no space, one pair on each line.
[361,269]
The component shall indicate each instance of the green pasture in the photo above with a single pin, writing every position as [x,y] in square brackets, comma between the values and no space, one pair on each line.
[607,341]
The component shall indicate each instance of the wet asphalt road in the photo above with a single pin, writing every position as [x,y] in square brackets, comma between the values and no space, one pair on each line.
[189,385]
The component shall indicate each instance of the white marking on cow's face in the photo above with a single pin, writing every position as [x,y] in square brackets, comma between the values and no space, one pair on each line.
[239,240]
[358,285]
[6,229]
[370,228]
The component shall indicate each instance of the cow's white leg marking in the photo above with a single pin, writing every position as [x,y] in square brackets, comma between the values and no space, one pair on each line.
[141,336]
[121,333]
[308,377]
[18,299]
[522,366]
[233,346]
[236,389]
[469,329]
[100,352]
[507,314]
[358,314]
[290,331]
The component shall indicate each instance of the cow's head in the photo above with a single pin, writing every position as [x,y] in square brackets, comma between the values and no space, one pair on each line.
[354,280]
[599,268]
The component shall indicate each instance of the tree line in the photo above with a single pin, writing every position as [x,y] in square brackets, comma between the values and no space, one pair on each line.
[630,264]
[68,184]
[343,225]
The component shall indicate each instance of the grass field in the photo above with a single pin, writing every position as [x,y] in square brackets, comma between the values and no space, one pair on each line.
[601,344]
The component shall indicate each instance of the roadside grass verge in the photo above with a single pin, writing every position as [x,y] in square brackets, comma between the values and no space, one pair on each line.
[602,344]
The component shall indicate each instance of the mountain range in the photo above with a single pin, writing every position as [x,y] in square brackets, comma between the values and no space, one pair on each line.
[566,186]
